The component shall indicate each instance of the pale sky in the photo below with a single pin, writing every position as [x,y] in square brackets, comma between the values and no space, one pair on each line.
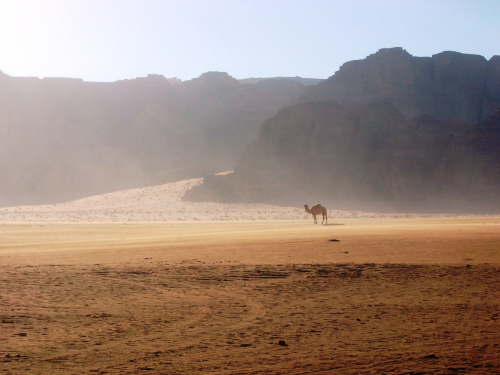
[109,40]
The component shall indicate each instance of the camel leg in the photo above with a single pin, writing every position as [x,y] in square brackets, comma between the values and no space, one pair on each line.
[315,221]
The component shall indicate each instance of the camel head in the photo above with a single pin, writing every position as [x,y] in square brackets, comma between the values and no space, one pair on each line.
[306,207]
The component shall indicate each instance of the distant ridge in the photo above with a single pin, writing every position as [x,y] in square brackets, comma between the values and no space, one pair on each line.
[64,138]
[302,81]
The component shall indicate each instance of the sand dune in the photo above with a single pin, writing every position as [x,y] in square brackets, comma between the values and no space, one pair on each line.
[156,203]
[163,203]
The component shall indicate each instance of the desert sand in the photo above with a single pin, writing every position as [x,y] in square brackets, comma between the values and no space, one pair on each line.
[163,203]
[85,290]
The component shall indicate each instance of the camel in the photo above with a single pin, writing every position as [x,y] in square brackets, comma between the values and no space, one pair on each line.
[316,210]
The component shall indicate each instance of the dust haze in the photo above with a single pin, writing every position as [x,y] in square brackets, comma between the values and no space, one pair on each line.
[63,139]
[157,226]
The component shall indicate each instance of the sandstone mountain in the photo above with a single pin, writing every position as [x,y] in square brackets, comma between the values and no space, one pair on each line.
[61,138]
[411,131]
[365,156]
[448,85]
[389,132]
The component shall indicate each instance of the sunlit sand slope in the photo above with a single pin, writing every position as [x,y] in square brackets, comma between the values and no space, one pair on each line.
[155,203]
[163,203]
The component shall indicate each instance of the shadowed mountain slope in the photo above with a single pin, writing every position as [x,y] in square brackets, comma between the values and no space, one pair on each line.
[389,132]
[365,156]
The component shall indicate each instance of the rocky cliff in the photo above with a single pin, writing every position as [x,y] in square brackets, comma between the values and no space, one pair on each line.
[365,156]
[388,128]
[65,138]
[448,85]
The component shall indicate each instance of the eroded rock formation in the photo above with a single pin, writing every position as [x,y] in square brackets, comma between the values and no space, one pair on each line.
[391,131]
[448,85]
[365,156]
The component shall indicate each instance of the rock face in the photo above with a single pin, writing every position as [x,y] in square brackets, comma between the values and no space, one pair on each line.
[389,132]
[365,156]
[449,85]
[62,139]
[471,166]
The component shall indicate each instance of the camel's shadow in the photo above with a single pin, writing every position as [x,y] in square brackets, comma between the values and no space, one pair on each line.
[332,224]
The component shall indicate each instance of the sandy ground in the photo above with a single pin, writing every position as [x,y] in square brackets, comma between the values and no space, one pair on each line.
[365,295]
[414,296]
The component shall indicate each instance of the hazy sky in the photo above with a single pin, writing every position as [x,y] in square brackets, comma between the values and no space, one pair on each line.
[108,40]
